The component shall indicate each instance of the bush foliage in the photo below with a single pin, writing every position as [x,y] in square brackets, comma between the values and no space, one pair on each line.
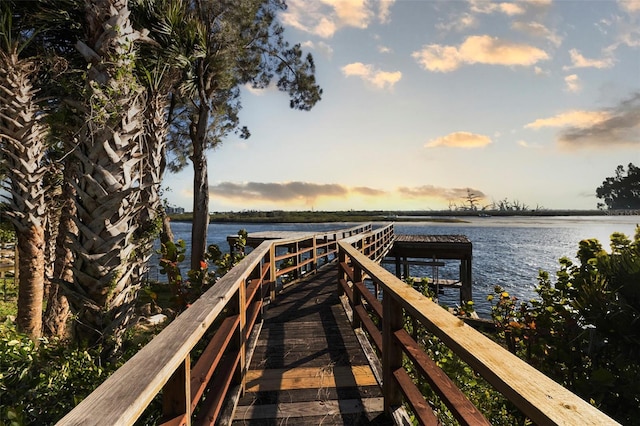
[584,329]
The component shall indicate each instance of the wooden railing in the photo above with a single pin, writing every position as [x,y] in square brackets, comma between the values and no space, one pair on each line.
[362,279]
[224,321]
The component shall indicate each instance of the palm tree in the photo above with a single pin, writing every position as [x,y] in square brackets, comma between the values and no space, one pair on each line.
[22,145]
[107,165]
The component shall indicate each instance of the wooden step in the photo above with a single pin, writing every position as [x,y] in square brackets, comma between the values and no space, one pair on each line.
[309,409]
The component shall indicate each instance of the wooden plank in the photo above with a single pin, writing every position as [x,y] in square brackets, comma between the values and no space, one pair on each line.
[457,402]
[344,267]
[212,405]
[307,409]
[309,378]
[176,393]
[178,421]
[373,302]
[252,315]
[369,326]
[306,395]
[210,357]
[252,289]
[422,410]
[347,290]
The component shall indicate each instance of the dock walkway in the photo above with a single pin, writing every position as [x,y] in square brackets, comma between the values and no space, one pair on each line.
[308,367]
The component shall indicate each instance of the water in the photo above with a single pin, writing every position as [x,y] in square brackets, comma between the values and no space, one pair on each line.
[507,251]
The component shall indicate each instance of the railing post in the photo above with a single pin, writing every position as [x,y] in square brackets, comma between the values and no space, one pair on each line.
[272,273]
[465,276]
[242,340]
[297,273]
[314,264]
[391,352]
[176,394]
[357,296]
[342,274]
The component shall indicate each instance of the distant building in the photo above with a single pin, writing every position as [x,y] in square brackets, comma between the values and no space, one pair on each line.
[174,210]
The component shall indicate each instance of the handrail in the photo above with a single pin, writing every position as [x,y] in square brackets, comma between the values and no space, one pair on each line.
[231,308]
[534,394]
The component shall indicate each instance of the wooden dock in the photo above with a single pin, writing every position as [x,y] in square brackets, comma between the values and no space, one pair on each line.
[308,366]
[287,354]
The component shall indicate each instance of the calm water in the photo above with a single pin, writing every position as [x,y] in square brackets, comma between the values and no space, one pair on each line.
[507,251]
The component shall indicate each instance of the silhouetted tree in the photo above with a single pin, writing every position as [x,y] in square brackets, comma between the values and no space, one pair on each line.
[621,191]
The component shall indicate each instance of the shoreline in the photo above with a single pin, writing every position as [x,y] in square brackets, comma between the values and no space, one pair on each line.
[382,216]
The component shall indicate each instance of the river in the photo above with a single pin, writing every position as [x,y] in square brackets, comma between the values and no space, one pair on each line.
[507,251]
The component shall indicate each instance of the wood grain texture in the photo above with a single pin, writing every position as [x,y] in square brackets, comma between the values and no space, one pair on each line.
[308,366]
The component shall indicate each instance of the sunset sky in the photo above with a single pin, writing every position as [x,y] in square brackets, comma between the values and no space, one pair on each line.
[533,101]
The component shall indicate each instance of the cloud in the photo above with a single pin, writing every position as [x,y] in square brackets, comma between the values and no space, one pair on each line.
[536,29]
[575,118]
[630,6]
[460,140]
[322,47]
[287,192]
[384,10]
[430,191]
[282,193]
[379,79]
[459,23]
[481,49]
[487,7]
[540,3]
[616,126]
[579,61]
[370,192]
[539,71]
[527,145]
[621,127]
[324,17]
[574,85]
[276,192]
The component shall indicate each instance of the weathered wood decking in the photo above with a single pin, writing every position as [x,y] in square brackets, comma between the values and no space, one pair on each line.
[308,367]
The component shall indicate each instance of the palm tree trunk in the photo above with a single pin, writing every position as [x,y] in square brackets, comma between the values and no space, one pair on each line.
[22,144]
[108,177]
[58,311]
[31,287]
[153,167]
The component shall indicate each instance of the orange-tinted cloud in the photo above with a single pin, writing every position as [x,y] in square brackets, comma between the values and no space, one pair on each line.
[620,128]
[611,127]
[324,17]
[573,83]
[377,78]
[630,6]
[579,61]
[482,49]
[573,118]
[460,140]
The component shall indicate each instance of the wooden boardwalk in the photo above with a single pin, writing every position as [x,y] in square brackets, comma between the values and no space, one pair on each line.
[308,366]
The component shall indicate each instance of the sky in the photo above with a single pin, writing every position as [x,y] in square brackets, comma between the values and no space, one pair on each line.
[425,102]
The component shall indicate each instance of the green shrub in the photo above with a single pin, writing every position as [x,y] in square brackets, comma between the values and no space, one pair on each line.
[584,330]
[40,382]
